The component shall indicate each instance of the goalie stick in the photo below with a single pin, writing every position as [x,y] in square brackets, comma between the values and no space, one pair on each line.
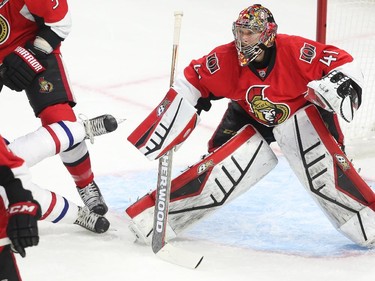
[159,246]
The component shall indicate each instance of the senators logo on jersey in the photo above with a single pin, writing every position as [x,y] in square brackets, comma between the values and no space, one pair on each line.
[212,63]
[4,29]
[307,53]
[266,111]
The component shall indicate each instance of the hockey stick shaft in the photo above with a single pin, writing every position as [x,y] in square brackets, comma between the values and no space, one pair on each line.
[165,162]
[176,41]
[162,201]
[159,245]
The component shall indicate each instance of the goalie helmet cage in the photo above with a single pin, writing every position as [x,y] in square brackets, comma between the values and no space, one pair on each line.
[350,25]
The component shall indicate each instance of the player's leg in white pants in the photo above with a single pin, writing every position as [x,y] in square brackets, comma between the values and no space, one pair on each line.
[220,177]
[46,142]
[40,144]
[327,174]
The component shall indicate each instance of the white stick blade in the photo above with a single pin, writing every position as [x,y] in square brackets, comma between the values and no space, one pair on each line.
[179,257]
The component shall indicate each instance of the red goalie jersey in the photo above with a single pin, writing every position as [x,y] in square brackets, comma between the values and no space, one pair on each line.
[270,95]
[20,21]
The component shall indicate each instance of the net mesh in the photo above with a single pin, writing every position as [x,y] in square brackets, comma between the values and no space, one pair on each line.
[351,26]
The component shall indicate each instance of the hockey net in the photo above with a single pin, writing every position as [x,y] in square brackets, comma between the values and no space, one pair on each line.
[351,26]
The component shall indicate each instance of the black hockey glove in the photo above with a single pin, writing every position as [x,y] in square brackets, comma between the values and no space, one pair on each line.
[20,67]
[23,212]
[22,227]
[205,103]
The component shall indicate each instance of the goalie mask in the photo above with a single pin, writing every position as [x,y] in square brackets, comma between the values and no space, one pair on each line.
[254,20]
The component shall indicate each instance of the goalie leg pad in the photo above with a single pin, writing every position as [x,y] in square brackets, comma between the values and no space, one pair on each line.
[328,175]
[220,177]
[355,226]
[168,125]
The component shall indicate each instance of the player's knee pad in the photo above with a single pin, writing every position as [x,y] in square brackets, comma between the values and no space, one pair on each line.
[168,125]
[218,178]
[328,175]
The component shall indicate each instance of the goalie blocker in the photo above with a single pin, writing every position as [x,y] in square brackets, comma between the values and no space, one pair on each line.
[215,180]
[167,126]
[327,174]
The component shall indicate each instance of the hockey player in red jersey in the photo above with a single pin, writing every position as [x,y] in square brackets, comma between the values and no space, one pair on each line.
[20,208]
[30,57]
[281,88]
[18,222]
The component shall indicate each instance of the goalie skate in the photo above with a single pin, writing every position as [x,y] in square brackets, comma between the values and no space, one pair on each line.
[215,180]
[91,221]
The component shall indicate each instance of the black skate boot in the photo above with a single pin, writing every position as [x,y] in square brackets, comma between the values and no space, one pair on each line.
[93,198]
[97,126]
[91,221]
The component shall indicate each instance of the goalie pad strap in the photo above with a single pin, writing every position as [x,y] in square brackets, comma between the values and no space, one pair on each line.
[327,174]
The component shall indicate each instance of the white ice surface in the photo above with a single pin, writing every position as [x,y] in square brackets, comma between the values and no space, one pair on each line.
[118,56]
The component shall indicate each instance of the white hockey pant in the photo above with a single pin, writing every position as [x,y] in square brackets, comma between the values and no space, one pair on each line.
[328,175]
[54,208]
[47,141]
[215,180]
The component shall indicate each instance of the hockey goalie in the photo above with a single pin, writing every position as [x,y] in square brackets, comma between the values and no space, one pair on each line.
[281,88]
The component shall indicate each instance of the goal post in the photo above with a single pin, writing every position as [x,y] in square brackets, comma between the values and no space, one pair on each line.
[350,25]
[321,21]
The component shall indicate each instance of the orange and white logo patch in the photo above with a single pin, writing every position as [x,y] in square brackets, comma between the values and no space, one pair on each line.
[204,166]
[342,161]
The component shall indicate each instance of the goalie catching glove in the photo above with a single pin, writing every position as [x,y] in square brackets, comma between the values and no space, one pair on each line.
[337,93]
